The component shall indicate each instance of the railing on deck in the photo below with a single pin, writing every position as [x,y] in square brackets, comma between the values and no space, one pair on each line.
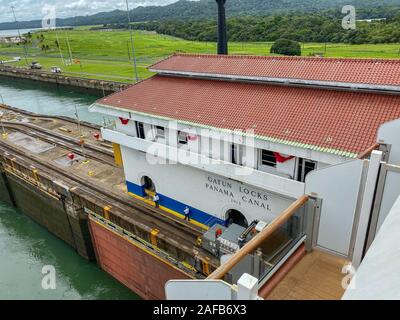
[258,240]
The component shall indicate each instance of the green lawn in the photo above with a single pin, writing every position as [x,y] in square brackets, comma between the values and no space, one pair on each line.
[104,55]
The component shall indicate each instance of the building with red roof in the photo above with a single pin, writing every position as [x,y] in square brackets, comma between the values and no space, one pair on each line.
[276,117]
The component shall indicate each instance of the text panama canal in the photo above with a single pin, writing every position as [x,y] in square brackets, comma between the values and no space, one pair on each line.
[252,197]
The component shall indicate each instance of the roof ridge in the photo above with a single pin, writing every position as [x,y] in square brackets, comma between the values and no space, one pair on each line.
[244,56]
[162,60]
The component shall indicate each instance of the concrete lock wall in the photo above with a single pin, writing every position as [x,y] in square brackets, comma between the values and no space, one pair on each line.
[63,211]
[206,194]
[82,83]
[58,216]
[143,273]
[5,190]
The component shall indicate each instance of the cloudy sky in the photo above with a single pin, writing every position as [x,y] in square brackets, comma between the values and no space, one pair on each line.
[32,9]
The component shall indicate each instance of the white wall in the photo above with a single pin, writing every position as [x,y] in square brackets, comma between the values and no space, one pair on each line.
[272,182]
[378,275]
[210,147]
[305,153]
[193,187]
[390,194]
[338,187]
[389,134]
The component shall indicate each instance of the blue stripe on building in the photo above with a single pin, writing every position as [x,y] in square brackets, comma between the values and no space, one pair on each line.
[179,207]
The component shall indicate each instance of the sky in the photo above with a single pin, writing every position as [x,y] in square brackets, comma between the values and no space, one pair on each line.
[32,9]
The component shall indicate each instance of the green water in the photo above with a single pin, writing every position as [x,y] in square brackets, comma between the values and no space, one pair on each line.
[47,99]
[26,247]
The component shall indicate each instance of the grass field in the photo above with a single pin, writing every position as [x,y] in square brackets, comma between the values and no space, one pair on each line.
[106,54]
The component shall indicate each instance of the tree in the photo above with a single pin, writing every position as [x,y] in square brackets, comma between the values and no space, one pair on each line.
[45,47]
[286,47]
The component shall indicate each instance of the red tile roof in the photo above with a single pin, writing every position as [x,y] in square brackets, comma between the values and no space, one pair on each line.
[310,118]
[375,72]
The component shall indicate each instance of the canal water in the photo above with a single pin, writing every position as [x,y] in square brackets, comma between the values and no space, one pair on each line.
[47,99]
[14,33]
[25,247]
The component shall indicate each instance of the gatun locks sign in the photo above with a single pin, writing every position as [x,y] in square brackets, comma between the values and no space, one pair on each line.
[240,194]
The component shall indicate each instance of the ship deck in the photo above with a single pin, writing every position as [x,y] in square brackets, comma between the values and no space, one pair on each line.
[318,276]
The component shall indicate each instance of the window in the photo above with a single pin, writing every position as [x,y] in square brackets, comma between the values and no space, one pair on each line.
[268,158]
[140,130]
[305,167]
[237,154]
[182,137]
[160,132]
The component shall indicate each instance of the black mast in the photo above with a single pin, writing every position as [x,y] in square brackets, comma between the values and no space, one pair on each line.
[222,35]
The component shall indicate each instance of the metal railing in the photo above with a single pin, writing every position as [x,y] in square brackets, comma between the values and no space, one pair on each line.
[258,240]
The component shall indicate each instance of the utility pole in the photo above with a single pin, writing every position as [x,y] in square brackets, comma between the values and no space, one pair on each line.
[69,48]
[132,43]
[129,51]
[81,136]
[59,47]
[19,35]
[78,120]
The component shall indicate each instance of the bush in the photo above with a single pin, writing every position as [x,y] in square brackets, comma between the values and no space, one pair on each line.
[286,47]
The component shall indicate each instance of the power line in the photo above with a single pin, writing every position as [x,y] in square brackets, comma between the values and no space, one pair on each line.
[132,42]
[19,35]
[59,47]
[69,48]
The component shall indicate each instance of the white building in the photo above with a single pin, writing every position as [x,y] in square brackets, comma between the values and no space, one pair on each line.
[12,40]
[232,138]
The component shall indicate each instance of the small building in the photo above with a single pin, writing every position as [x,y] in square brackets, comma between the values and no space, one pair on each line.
[233,138]
[12,40]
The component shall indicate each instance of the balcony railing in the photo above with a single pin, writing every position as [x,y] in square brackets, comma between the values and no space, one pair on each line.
[221,284]
[270,246]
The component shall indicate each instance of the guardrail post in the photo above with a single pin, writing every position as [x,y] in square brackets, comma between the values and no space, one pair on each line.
[312,216]
[247,288]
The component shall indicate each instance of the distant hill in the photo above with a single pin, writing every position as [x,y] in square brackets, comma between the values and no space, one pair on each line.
[205,9]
